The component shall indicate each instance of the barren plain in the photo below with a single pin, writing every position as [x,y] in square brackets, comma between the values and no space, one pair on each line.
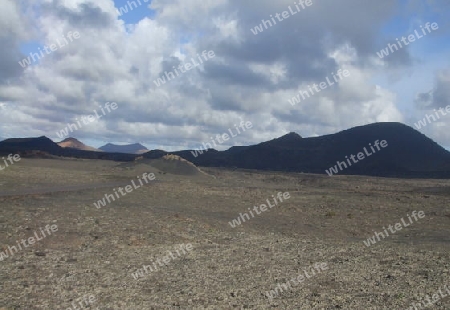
[95,251]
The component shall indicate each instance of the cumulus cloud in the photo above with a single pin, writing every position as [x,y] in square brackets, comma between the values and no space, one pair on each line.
[439,96]
[251,77]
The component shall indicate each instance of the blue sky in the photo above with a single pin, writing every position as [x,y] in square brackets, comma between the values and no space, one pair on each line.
[136,13]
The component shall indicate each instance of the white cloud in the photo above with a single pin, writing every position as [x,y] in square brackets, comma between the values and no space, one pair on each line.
[251,77]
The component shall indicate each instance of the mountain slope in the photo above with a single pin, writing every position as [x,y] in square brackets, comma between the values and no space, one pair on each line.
[27,147]
[76,144]
[30,144]
[409,153]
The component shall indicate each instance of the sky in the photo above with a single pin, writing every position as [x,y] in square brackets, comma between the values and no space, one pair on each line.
[90,53]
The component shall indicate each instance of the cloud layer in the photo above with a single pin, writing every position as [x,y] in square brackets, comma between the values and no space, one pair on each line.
[251,77]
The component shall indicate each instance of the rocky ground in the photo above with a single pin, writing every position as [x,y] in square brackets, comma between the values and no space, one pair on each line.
[326,219]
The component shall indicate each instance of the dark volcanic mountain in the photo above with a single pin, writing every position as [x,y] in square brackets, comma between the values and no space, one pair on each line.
[29,144]
[29,147]
[135,148]
[408,153]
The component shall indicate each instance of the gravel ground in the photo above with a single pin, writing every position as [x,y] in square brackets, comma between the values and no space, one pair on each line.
[326,219]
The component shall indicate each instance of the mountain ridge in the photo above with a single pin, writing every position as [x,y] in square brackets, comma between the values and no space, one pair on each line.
[76,144]
[408,153]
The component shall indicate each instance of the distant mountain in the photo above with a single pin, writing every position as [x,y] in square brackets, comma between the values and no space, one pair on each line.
[30,144]
[287,140]
[76,144]
[408,154]
[135,148]
[30,147]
